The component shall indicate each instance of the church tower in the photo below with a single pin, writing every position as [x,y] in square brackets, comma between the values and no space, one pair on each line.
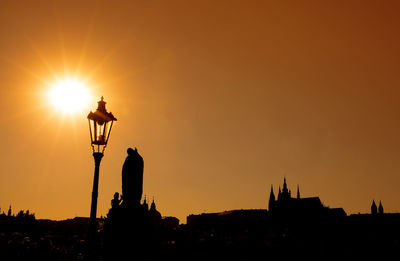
[374,210]
[145,205]
[279,193]
[154,215]
[285,191]
[380,208]
[271,200]
[298,192]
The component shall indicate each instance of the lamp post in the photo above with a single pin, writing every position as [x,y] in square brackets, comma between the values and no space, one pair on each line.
[100,124]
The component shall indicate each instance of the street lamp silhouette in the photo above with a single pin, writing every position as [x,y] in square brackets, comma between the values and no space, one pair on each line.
[100,124]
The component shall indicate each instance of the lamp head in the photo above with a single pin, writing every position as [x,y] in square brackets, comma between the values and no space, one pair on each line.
[100,124]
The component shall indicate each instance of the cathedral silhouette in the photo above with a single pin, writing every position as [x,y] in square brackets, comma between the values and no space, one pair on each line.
[286,205]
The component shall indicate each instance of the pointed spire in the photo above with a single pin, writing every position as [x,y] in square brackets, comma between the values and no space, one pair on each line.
[285,192]
[279,193]
[298,192]
[272,193]
[380,209]
[145,205]
[271,199]
[153,205]
[154,214]
[373,208]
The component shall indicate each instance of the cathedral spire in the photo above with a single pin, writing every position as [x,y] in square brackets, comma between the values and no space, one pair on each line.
[272,195]
[145,205]
[373,208]
[153,205]
[271,199]
[380,208]
[155,216]
[298,192]
[285,192]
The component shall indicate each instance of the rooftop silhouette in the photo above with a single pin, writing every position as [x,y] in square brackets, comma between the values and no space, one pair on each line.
[291,227]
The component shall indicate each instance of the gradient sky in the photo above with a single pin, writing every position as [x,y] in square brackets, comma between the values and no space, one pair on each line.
[221,98]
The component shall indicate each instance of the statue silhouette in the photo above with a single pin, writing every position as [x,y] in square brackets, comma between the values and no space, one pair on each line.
[132,179]
[115,202]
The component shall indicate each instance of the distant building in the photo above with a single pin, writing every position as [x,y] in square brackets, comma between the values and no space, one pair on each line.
[380,208]
[170,222]
[286,205]
[237,217]
[374,209]
[154,214]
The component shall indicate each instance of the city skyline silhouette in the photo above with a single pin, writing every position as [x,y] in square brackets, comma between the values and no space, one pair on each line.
[283,194]
[223,99]
[293,226]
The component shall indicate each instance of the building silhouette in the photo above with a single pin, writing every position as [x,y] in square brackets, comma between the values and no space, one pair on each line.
[296,227]
[374,209]
[285,205]
[291,227]
[380,208]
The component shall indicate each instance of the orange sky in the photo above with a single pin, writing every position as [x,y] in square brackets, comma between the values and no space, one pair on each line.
[222,99]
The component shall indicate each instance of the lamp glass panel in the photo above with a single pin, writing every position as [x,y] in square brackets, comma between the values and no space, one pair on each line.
[92,134]
[107,126]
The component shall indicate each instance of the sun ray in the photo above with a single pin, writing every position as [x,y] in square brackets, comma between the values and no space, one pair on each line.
[26,70]
[60,33]
[82,55]
[103,60]
[40,56]
[75,135]
[57,133]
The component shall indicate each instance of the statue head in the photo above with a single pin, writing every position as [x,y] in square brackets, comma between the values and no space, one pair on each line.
[131,151]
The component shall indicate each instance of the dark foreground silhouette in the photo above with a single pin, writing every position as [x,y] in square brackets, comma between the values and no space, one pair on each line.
[292,227]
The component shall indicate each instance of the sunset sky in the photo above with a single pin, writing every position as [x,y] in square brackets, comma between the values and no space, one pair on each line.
[221,98]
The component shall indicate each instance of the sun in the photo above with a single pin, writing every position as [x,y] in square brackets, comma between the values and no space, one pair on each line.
[69,96]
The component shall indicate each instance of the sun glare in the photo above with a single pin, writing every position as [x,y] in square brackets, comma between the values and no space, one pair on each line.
[69,96]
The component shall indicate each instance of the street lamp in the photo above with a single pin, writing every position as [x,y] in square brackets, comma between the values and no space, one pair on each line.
[100,124]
